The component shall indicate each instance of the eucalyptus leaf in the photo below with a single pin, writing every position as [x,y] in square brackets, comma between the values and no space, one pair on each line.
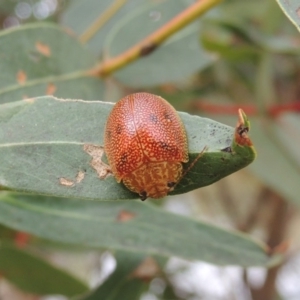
[292,11]
[251,41]
[175,60]
[271,151]
[123,283]
[272,144]
[72,18]
[39,59]
[128,225]
[45,146]
[34,275]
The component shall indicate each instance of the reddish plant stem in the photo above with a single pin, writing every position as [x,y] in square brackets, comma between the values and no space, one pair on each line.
[21,239]
[249,109]
[151,42]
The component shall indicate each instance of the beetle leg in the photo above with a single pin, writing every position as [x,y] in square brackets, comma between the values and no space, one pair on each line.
[171,184]
[143,196]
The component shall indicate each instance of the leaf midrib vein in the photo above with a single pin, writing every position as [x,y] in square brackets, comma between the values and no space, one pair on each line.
[24,144]
[52,79]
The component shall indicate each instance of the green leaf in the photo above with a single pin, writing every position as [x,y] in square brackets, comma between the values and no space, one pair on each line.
[72,18]
[35,275]
[128,225]
[292,10]
[272,143]
[175,60]
[39,59]
[271,152]
[122,283]
[239,41]
[7,7]
[44,149]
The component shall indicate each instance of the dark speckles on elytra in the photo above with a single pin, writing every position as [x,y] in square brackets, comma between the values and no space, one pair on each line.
[119,129]
[124,157]
[163,145]
[153,118]
[167,116]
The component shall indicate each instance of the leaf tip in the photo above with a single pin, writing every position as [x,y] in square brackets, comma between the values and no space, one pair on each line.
[242,128]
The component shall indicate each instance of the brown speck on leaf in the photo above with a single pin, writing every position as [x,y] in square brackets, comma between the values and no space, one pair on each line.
[69,31]
[80,176]
[298,12]
[51,89]
[125,216]
[29,100]
[66,182]
[147,270]
[21,77]
[227,149]
[96,152]
[147,49]
[43,49]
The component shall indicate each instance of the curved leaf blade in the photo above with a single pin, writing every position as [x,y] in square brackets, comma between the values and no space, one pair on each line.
[34,275]
[291,9]
[72,18]
[39,59]
[175,60]
[146,229]
[122,283]
[43,145]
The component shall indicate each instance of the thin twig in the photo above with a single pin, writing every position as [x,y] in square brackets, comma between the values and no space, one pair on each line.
[151,42]
[101,20]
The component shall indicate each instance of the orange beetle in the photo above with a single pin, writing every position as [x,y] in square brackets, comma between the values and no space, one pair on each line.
[146,144]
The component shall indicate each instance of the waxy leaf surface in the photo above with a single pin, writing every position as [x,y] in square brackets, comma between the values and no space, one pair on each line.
[44,141]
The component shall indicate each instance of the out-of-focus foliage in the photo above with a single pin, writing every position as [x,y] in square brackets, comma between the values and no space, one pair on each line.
[240,54]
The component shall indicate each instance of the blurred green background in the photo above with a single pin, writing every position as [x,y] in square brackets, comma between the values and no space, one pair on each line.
[241,54]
